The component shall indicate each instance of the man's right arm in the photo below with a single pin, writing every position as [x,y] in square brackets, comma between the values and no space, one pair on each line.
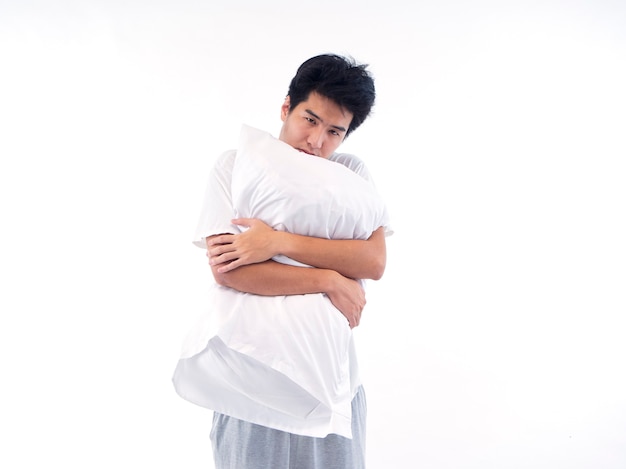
[273,279]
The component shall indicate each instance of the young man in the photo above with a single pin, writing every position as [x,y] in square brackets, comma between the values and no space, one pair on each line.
[328,98]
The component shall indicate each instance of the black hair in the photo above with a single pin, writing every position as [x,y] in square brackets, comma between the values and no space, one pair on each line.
[339,79]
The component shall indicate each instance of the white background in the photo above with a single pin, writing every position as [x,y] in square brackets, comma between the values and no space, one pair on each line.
[495,338]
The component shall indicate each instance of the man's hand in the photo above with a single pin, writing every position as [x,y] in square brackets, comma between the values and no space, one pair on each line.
[348,297]
[256,244]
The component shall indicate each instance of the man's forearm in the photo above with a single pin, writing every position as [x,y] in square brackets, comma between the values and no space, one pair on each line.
[363,259]
[356,259]
[273,279]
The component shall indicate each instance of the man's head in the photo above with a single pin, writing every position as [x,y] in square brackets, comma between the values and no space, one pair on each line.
[328,98]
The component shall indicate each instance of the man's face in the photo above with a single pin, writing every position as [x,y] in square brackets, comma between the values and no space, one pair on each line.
[316,126]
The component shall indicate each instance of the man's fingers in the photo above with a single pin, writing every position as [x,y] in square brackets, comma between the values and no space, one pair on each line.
[220,239]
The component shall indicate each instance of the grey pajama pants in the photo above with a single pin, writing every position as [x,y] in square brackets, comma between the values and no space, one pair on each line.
[243,445]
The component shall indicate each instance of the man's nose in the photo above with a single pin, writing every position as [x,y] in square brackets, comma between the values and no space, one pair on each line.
[316,137]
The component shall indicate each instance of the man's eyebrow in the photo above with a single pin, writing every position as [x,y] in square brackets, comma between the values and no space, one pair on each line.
[338,127]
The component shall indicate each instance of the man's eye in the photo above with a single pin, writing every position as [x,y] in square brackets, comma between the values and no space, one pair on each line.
[310,119]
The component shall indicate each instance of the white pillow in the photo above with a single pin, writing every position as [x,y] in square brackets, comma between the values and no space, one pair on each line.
[285,362]
[300,193]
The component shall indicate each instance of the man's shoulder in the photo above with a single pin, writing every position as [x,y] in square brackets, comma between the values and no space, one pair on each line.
[352,162]
[225,160]
[347,159]
[228,155]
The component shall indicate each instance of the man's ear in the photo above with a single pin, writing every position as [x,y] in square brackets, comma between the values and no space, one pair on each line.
[284,109]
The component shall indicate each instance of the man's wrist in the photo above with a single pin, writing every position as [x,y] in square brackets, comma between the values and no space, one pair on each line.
[280,243]
[327,280]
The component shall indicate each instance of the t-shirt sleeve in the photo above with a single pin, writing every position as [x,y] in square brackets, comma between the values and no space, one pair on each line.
[217,207]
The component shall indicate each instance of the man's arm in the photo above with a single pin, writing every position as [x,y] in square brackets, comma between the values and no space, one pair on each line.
[362,259]
[273,279]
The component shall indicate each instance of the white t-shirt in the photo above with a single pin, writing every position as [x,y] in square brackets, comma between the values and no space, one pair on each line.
[295,353]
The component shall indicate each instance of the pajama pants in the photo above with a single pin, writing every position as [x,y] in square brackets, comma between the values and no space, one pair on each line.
[243,445]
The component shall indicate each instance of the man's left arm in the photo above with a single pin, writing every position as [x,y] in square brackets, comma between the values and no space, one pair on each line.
[358,259]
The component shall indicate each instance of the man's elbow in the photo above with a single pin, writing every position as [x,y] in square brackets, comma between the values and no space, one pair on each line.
[377,255]
[222,279]
[377,270]
[378,274]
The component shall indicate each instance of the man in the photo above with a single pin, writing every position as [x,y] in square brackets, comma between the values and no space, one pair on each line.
[328,98]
